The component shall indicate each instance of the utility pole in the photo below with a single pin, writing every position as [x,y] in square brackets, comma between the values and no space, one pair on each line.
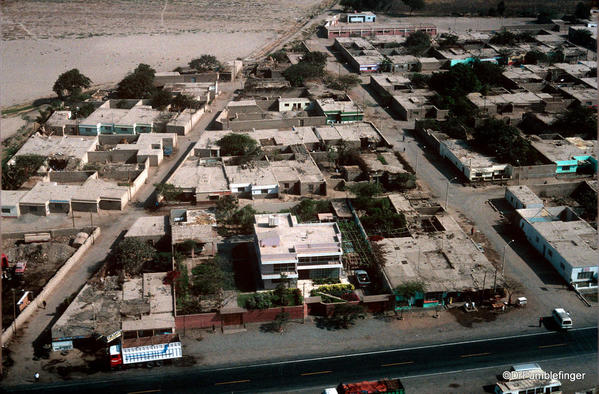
[483,291]
[73,216]
[503,260]
[91,219]
[495,282]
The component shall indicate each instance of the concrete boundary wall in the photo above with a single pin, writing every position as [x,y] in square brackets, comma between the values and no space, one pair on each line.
[54,282]
[140,180]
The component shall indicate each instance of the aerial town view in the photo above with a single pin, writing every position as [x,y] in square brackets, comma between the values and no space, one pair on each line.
[315,196]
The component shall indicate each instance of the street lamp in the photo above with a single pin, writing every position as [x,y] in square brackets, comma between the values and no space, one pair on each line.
[447,191]
[503,262]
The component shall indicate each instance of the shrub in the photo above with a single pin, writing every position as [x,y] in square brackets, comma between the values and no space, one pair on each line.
[337,290]
[325,281]
[259,301]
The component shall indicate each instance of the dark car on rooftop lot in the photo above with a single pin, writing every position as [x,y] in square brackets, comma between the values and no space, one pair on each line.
[362,278]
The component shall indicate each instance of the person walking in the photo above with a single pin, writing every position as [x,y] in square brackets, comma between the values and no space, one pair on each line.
[44,304]
[540,321]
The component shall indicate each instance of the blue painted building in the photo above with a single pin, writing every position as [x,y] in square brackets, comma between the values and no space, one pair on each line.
[570,155]
[361,17]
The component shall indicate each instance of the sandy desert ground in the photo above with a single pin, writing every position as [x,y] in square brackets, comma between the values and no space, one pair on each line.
[106,39]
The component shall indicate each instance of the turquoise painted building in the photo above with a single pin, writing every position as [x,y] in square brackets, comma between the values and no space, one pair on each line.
[111,118]
[569,154]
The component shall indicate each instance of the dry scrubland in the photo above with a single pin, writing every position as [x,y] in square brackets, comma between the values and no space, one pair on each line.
[105,39]
[74,19]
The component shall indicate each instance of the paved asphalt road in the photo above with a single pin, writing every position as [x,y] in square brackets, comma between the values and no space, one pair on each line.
[329,371]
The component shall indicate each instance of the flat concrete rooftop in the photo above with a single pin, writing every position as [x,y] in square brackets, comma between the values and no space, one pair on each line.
[193,174]
[68,145]
[442,262]
[289,237]
[469,157]
[524,194]
[148,226]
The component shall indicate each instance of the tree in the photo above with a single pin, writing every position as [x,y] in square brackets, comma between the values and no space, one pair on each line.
[70,84]
[410,289]
[401,182]
[206,63]
[535,57]
[44,115]
[344,315]
[366,190]
[209,278]
[298,73]
[448,40]
[168,191]
[181,101]
[279,56]
[131,254]
[557,56]
[511,286]
[161,99]
[544,17]
[138,84]
[458,81]
[14,175]
[308,209]
[419,81]
[580,37]
[583,11]
[348,81]
[83,111]
[235,144]
[414,5]
[282,290]
[488,73]
[577,120]
[501,8]
[588,200]
[244,217]
[315,57]
[281,320]
[494,137]
[418,42]
[503,37]
[226,207]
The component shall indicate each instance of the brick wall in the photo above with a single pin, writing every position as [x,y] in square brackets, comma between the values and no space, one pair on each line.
[207,320]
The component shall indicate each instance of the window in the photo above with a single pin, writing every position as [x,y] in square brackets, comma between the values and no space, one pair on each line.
[5,210]
[562,266]
[537,239]
[286,186]
[550,253]
[278,268]
[565,168]
[585,275]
